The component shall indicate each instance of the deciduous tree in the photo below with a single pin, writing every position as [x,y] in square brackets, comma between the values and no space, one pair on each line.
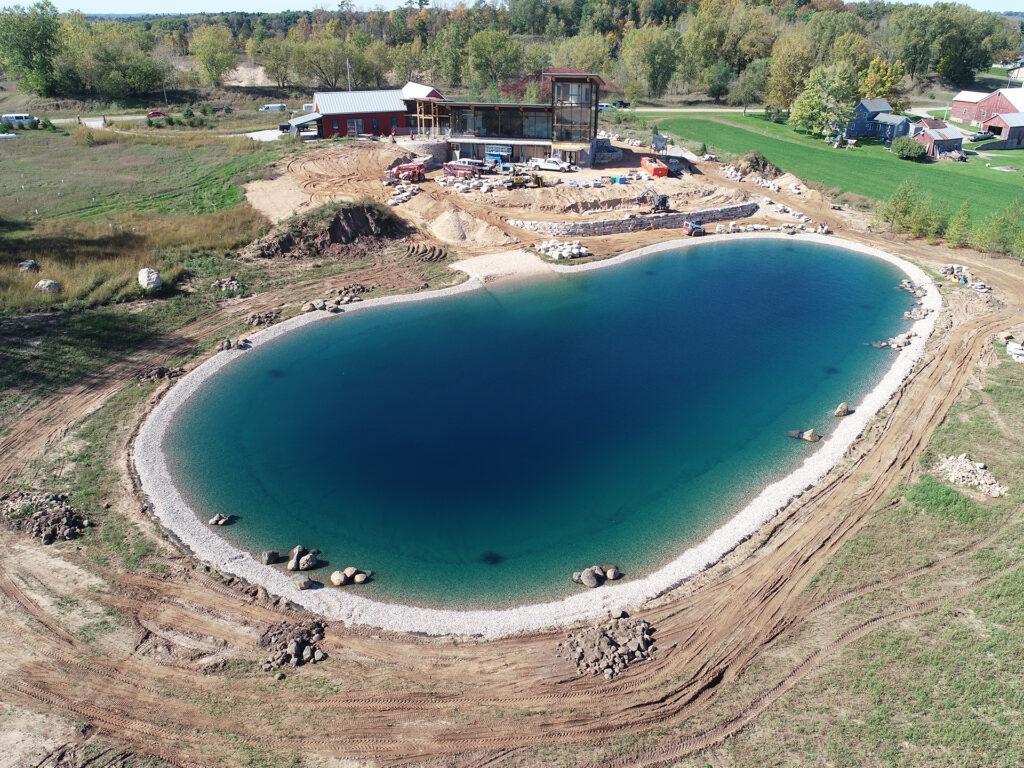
[826,105]
[214,50]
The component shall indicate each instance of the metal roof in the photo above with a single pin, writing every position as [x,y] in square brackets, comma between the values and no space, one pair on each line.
[876,105]
[1012,119]
[970,96]
[304,119]
[891,119]
[413,90]
[358,102]
[944,134]
[1015,96]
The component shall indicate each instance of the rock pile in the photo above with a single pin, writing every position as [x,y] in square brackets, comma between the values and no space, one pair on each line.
[293,645]
[302,559]
[960,470]
[596,575]
[238,344]
[555,249]
[608,649]
[264,318]
[637,223]
[159,373]
[337,298]
[350,575]
[226,284]
[45,516]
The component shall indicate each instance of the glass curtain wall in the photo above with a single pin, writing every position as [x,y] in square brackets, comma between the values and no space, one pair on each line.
[574,104]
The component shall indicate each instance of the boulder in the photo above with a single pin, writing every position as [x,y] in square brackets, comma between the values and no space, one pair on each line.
[293,564]
[612,573]
[339,579]
[297,552]
[843,409]
[308,561]
[269,557]
[225,345]
[304,582]
[810,436]
[351,571]
[48,286]
[576,576]
[29,265]
[360,578]
[149,279]
[589,579]
[309,306]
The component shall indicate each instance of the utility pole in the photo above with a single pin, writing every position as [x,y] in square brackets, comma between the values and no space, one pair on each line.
[348,66]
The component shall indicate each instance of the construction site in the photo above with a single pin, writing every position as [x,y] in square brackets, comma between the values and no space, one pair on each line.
[180,665]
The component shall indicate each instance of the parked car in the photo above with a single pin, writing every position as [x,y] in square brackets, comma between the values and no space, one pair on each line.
[982,136]
[603,106]
[154,113]
[274,108]
[620,104]
[308,107]
[549,164]
[20,120]
[693,228]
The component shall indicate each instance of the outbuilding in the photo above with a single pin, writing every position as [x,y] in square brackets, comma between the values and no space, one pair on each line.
[965,107]
[945,141]
[874,118]
[1007,128]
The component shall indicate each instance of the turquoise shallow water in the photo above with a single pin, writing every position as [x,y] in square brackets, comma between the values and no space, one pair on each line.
[475,450]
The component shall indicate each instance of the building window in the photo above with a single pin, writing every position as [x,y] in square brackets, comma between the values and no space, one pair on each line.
[394,122]
[335,125]
[355,126]
[376,124]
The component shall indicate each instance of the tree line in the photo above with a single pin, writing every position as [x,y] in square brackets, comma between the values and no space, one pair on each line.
[800,58]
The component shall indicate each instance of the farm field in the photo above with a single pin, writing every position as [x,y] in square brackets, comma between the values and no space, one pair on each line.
[869,170]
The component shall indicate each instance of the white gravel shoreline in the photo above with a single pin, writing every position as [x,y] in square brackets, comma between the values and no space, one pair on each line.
[345,605]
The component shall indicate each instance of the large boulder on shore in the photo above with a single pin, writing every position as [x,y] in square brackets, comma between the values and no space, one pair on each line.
[843,409]
[810,436]
[308,561]
[149,279]
[270,557]
[339,579]
[48,286]
[589,578]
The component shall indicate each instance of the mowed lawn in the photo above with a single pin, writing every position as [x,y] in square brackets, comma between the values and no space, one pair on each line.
[871,170]
[49,175]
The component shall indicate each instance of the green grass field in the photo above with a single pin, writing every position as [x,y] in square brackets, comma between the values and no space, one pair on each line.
[870,170]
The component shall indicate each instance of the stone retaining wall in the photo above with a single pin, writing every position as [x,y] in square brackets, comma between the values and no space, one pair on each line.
[635,223]
[437,151]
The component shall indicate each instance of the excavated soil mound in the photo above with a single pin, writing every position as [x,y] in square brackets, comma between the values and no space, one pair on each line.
[327,234]
[456,226]
[755,162]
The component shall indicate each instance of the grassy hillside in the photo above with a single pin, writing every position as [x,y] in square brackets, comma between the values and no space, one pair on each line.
[870,171]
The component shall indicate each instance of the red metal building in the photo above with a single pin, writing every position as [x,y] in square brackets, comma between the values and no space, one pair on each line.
[378,112]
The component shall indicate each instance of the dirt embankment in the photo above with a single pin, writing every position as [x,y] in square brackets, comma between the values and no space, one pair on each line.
[331,233]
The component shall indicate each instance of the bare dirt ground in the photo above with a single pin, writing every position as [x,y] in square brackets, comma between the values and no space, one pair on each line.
[177,676]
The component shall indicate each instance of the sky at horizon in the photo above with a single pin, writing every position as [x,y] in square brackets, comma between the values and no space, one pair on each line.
[211,6]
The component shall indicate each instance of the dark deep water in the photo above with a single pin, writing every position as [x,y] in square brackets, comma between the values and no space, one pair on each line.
[475,450]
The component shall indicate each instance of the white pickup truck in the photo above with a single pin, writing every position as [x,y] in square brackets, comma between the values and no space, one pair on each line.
[549,164]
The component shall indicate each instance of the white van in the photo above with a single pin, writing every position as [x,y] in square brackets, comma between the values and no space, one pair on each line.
[307,107]
[274,108]
[19,120]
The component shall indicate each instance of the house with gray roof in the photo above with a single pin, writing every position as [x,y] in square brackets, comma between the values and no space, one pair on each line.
[874,119]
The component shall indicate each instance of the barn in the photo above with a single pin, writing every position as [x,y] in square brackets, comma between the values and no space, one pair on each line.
[376,112]
[1007,128]
[965,107]
[1000,102]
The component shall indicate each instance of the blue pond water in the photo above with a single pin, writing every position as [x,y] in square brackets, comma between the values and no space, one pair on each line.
[475,450]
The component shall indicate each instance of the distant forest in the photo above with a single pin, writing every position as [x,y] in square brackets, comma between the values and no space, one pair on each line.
[726,50]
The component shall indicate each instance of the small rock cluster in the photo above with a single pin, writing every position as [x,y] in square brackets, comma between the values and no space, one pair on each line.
[962,275]
[220,519]
[960,470]
[302,559]
[293,645]
[807,435]
[239,344]
[263,318]
[226,284]
[558,250]
[159,373]
[336,299]
[402,193]
[350,575]
[916,313]
[596,575]
[45,516]
[608,649]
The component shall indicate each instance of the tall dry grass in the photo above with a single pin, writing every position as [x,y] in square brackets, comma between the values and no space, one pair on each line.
[94,137]
[97,263]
